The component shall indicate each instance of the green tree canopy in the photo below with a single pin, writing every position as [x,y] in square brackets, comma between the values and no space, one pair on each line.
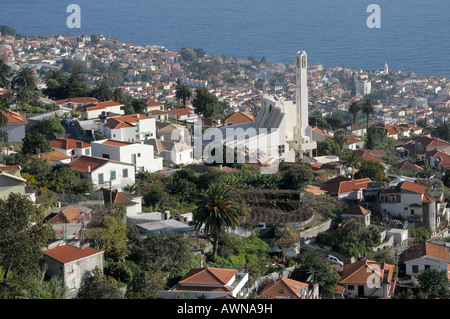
[23,236]
[208,104]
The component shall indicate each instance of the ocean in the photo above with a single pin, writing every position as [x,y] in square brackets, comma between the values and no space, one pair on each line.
[413,35]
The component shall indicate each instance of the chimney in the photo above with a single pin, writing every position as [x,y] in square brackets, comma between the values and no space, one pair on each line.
[89,169]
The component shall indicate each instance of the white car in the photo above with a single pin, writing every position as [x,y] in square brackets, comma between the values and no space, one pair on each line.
[335,260]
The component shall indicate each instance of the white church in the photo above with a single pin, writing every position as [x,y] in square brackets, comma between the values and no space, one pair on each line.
[280,130]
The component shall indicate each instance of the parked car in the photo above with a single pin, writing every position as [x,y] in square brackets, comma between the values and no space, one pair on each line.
[335,260]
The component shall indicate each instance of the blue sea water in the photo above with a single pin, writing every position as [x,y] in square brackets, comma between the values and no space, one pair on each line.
[414,34]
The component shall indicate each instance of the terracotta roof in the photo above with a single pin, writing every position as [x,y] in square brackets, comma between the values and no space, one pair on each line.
[345,186]
[154,103]
[99,105]
[239,117]
[118,199]
[359,272]
[428,249]
[15,117]
[114,124]
[370,155]
[208,276]
[185,111]
[52,156]
[68,253]
[77,100]
[67,143]
[412,187]
[357,210]
[69,214]
[81,163]
[406,166]
[428,199]
[116,143]
[284,288]
[8,168]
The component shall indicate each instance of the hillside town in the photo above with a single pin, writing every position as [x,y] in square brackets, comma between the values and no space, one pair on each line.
[104,194]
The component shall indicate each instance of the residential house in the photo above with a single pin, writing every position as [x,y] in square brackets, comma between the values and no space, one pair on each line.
[353,143]
[172,132]
[367,278]
[70,147]
[153,105]
[427,255]
[425,144]
[130,128]
[104,172]
[70,223]
[286,288]
[185,114]
[16,126]
[357,212]
[72,264]
[101,109]
[75,103]
[54,158]
[406,166]
[138,154]
[173,152]
[346,188]
[354,129]
[209,282]
[11,181]
[131,202]
[238,118]
[320,135]
[410,200]
[437,159]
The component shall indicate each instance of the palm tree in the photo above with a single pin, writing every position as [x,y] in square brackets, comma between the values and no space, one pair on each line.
[216,210]
[368,109]
[24,79]
[355,109]
[183,92]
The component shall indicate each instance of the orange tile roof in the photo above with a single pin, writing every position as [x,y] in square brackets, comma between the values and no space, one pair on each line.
[428,199]
[185,111]
[359,272]
[67,143]
[118,199]
[99,105]
[77,100]
[81,163]
[284,288]
[428,249]
[68,253]
[52,156]
[239,117]
[15,117]
[116,143]
[412,187]
[69,214]
[208,276]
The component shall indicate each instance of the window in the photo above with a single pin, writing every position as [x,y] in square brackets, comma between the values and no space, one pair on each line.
[70,268]
[415,269]
[87,152]
[105,156]
[125,172]
[427,267]
[351,287]
[100,178]
[113,175]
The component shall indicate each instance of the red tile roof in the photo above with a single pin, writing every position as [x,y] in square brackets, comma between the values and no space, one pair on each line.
[359,272]
[239,117]
[412,187]
[208,276]
[81,163]
[68,253]
[67,143]
[284,288]
[428,249]
[99,105]
[15,117]
[69,214]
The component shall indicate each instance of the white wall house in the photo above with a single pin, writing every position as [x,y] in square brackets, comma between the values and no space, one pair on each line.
[70,147]
[427,255]
[102,171]
[130,128]
[173,152]
[107,108]
[16,126]
[138,154]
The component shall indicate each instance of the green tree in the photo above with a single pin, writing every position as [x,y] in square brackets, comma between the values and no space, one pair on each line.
[324,272]
[368,109]
[110,235]
[35,143]
[24,79]
[371,169]
[102,92]
[296,176]
[23,236]
[420,234]
[99,286]
[434,284]
[76,85]
[207,104]
[56,84]
[5,75]
[49,126]
[182,92]
[217,210]
[355,109]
